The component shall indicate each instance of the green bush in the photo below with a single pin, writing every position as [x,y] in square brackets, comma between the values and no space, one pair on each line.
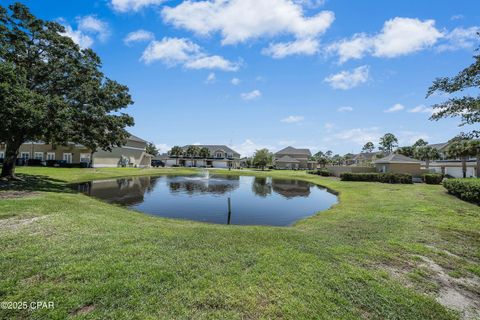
[432,178]
[377,177]
[321,172]
[348,176]
[465,189]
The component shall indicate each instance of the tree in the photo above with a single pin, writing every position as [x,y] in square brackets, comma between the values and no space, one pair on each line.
[53,91]
[152,149]
[426,154]
[388,142]
[406,151]
[204,153]
[176,152]
[368,147]
[466,107]
[262,158]
[419,143]
[474,151]
[337,159]
[192,152]
[460,149]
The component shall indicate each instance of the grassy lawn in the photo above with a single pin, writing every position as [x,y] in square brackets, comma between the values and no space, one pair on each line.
[384,252]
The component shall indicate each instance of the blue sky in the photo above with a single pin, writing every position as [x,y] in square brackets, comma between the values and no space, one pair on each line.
[330,74]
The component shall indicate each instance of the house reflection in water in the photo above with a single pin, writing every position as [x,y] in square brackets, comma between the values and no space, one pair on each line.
[263,187]
[125,191]
[199,185]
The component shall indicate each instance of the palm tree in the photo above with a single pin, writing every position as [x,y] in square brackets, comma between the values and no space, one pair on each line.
[192,151]
[176,151]
[426,154]
[460,149]
[204,153]
[474,151]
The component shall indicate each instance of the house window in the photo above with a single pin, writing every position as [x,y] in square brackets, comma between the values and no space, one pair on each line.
[67,157]
[25,155]
[2,155]
[218,155]
[85,157]
[230,155]
[51,156]
[38,156]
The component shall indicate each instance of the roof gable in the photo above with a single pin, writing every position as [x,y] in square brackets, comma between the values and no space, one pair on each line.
[397,158]
[294,151]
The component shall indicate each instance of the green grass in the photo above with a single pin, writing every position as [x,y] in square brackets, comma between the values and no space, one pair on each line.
[119,264]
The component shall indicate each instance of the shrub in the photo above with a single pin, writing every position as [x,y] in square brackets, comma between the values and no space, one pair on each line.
[377,177]
[321,172]
[465,189]
[348,176]
[404,178]
[432,178]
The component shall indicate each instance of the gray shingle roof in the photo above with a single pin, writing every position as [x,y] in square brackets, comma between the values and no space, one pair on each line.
[135,138]
[292,150]
[397,158]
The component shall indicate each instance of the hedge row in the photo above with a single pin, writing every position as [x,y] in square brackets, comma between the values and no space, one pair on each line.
[378,177]
[321,172]
[432,178]
[465,189]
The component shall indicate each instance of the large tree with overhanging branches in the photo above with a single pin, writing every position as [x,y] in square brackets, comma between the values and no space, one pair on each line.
[53,91]
[466,107]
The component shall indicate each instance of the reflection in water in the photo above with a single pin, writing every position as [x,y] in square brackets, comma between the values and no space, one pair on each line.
[208,185]
[216,198]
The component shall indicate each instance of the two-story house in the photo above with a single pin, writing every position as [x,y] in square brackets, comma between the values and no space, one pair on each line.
[131,154]
[220,156]
[293,158]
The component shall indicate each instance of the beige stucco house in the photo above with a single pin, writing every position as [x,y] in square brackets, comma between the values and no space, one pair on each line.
[132,154]
[398,163]
[293,158]
[221,156]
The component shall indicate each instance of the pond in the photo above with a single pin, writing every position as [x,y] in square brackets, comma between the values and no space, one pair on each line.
[224,199]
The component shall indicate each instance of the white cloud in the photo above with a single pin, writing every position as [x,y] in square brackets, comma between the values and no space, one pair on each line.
[163,148]
[460,38]
[297,47]
[399,36]
[174,51]
[345,109]
[252,95]
[242,20]
[359,136]
[395,108]
[83,40]
[212,62]
[248,148]
[293,119]
[421,109]
[89,29]
[138,36]
[345,80]
[235,81]
[310,3]
[211,78]
[456,17]
[170,51]
[94,25]
[133,5]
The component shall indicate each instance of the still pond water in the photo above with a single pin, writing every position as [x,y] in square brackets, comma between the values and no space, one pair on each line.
[253,200]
